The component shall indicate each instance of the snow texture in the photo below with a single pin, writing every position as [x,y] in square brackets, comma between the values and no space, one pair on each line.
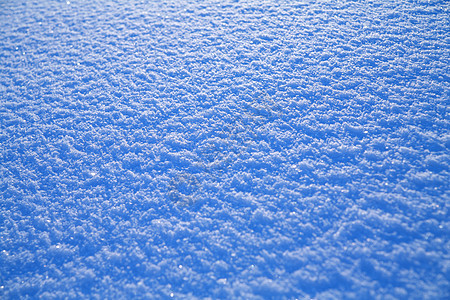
[224,149]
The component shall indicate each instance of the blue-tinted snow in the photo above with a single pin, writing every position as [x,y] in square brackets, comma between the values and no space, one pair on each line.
[224,149]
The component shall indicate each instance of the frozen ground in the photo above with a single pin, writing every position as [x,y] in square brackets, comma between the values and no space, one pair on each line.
[224,149]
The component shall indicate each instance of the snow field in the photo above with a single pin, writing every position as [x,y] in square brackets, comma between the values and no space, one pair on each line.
[224,149]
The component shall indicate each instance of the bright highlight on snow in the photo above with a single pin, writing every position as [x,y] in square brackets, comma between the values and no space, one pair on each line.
[224,149]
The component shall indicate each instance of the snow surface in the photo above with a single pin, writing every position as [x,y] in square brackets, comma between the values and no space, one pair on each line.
[224,149]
